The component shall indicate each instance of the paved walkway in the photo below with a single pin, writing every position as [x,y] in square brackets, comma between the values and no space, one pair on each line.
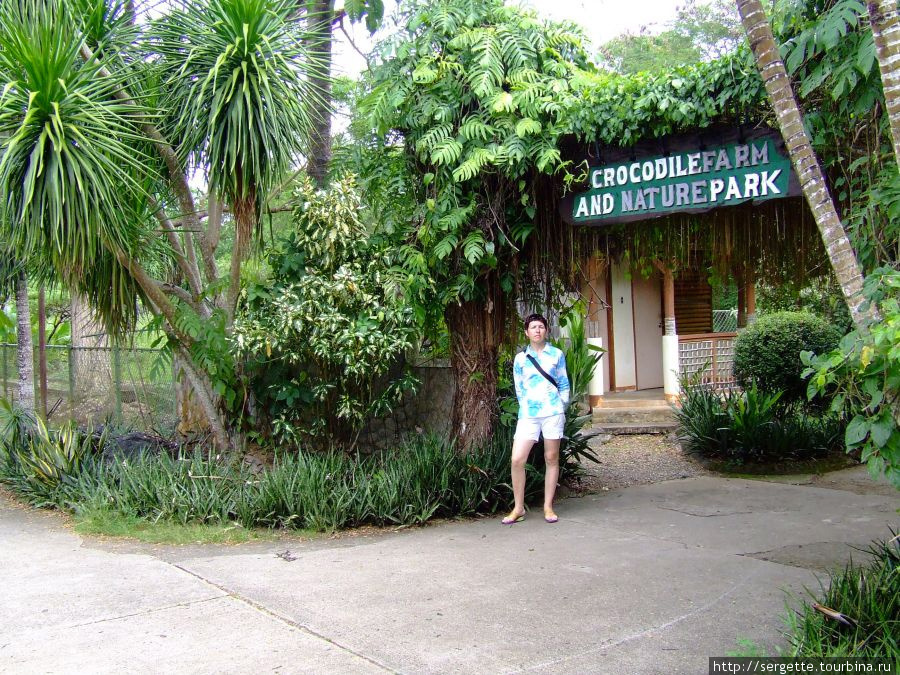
[650,579]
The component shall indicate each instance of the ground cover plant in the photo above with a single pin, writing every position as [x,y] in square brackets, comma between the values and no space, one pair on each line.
[425,477]
[857,615]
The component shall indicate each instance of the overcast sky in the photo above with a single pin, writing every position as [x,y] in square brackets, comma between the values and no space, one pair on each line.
[601,20]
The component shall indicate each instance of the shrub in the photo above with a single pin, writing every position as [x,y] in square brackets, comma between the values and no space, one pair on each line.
[752,426]
[322,335]
[857,615]
[768,352]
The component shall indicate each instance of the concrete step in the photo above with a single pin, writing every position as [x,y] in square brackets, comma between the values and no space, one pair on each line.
[624,429]
[651,403]
[632,415]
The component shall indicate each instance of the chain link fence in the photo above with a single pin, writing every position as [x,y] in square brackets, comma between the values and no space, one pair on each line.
[725,321]
[125,387]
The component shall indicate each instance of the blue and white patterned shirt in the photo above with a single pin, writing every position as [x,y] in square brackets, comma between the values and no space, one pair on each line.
[537,397]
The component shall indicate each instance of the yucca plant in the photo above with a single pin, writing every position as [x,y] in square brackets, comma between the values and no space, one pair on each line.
[752,426]
[106,116]
[52,456]
[238,85]
[15,424]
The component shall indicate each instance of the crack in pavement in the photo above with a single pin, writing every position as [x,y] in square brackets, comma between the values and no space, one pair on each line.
[639,634]
[705,515]
[146,612]
[287,621]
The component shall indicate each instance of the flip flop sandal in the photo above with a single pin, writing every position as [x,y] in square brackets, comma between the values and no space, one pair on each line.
[512,520]
[551,517]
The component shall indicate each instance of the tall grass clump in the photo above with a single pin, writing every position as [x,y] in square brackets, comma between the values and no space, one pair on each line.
[425,477]
[859,613]
[753,426]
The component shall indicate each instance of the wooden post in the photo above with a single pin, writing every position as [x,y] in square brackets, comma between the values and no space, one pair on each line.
[715,361]
[740,279]
[117,381]
[42,350]
[668,302]
[750,300]
[71,382]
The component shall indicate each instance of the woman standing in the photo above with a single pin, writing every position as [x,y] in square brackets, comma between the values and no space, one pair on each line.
[542,387]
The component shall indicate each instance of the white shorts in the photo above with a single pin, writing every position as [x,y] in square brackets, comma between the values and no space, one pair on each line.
[532,427]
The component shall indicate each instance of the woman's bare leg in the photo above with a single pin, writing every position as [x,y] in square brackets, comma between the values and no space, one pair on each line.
[551,475]
[521,448]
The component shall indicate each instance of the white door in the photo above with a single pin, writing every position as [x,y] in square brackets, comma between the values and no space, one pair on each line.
[622,328]
[648,331]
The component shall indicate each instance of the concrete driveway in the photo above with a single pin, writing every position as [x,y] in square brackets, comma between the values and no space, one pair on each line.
[650,579]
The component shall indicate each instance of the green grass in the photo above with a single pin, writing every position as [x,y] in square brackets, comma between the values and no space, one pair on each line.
[109,523]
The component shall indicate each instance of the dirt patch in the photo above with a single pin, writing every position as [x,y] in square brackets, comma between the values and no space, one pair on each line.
[636,460]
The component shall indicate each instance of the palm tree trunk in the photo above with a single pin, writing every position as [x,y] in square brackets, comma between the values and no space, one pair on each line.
[885,19]
[806,164]
[319,43]
[24,345]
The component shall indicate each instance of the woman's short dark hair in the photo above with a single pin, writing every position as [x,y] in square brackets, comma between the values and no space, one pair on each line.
[536,317]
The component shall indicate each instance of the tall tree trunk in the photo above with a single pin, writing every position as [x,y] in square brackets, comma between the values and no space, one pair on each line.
[190,412]
[90,366]
[806,164]
[24,345]
[319,44]
[885,19]
[476,329]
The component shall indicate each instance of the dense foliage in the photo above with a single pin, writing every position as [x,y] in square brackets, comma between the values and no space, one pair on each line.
[325,331]
[472,90]
[700,31]
[107,121]
[862,376]
[768,352]
[479,115]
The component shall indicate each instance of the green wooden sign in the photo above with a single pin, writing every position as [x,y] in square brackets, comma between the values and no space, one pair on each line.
[687,180]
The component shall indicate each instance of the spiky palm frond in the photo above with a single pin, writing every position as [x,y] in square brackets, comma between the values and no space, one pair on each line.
[240,79]
[107,24]
[68,148]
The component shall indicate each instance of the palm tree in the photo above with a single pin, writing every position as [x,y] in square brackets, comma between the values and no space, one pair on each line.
[812,179]
[885,20]
[106,121]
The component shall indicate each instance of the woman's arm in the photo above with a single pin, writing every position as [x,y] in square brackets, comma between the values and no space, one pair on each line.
[519,378]
[562,378]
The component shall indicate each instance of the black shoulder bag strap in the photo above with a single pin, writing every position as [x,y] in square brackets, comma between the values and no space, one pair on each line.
[541,370]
